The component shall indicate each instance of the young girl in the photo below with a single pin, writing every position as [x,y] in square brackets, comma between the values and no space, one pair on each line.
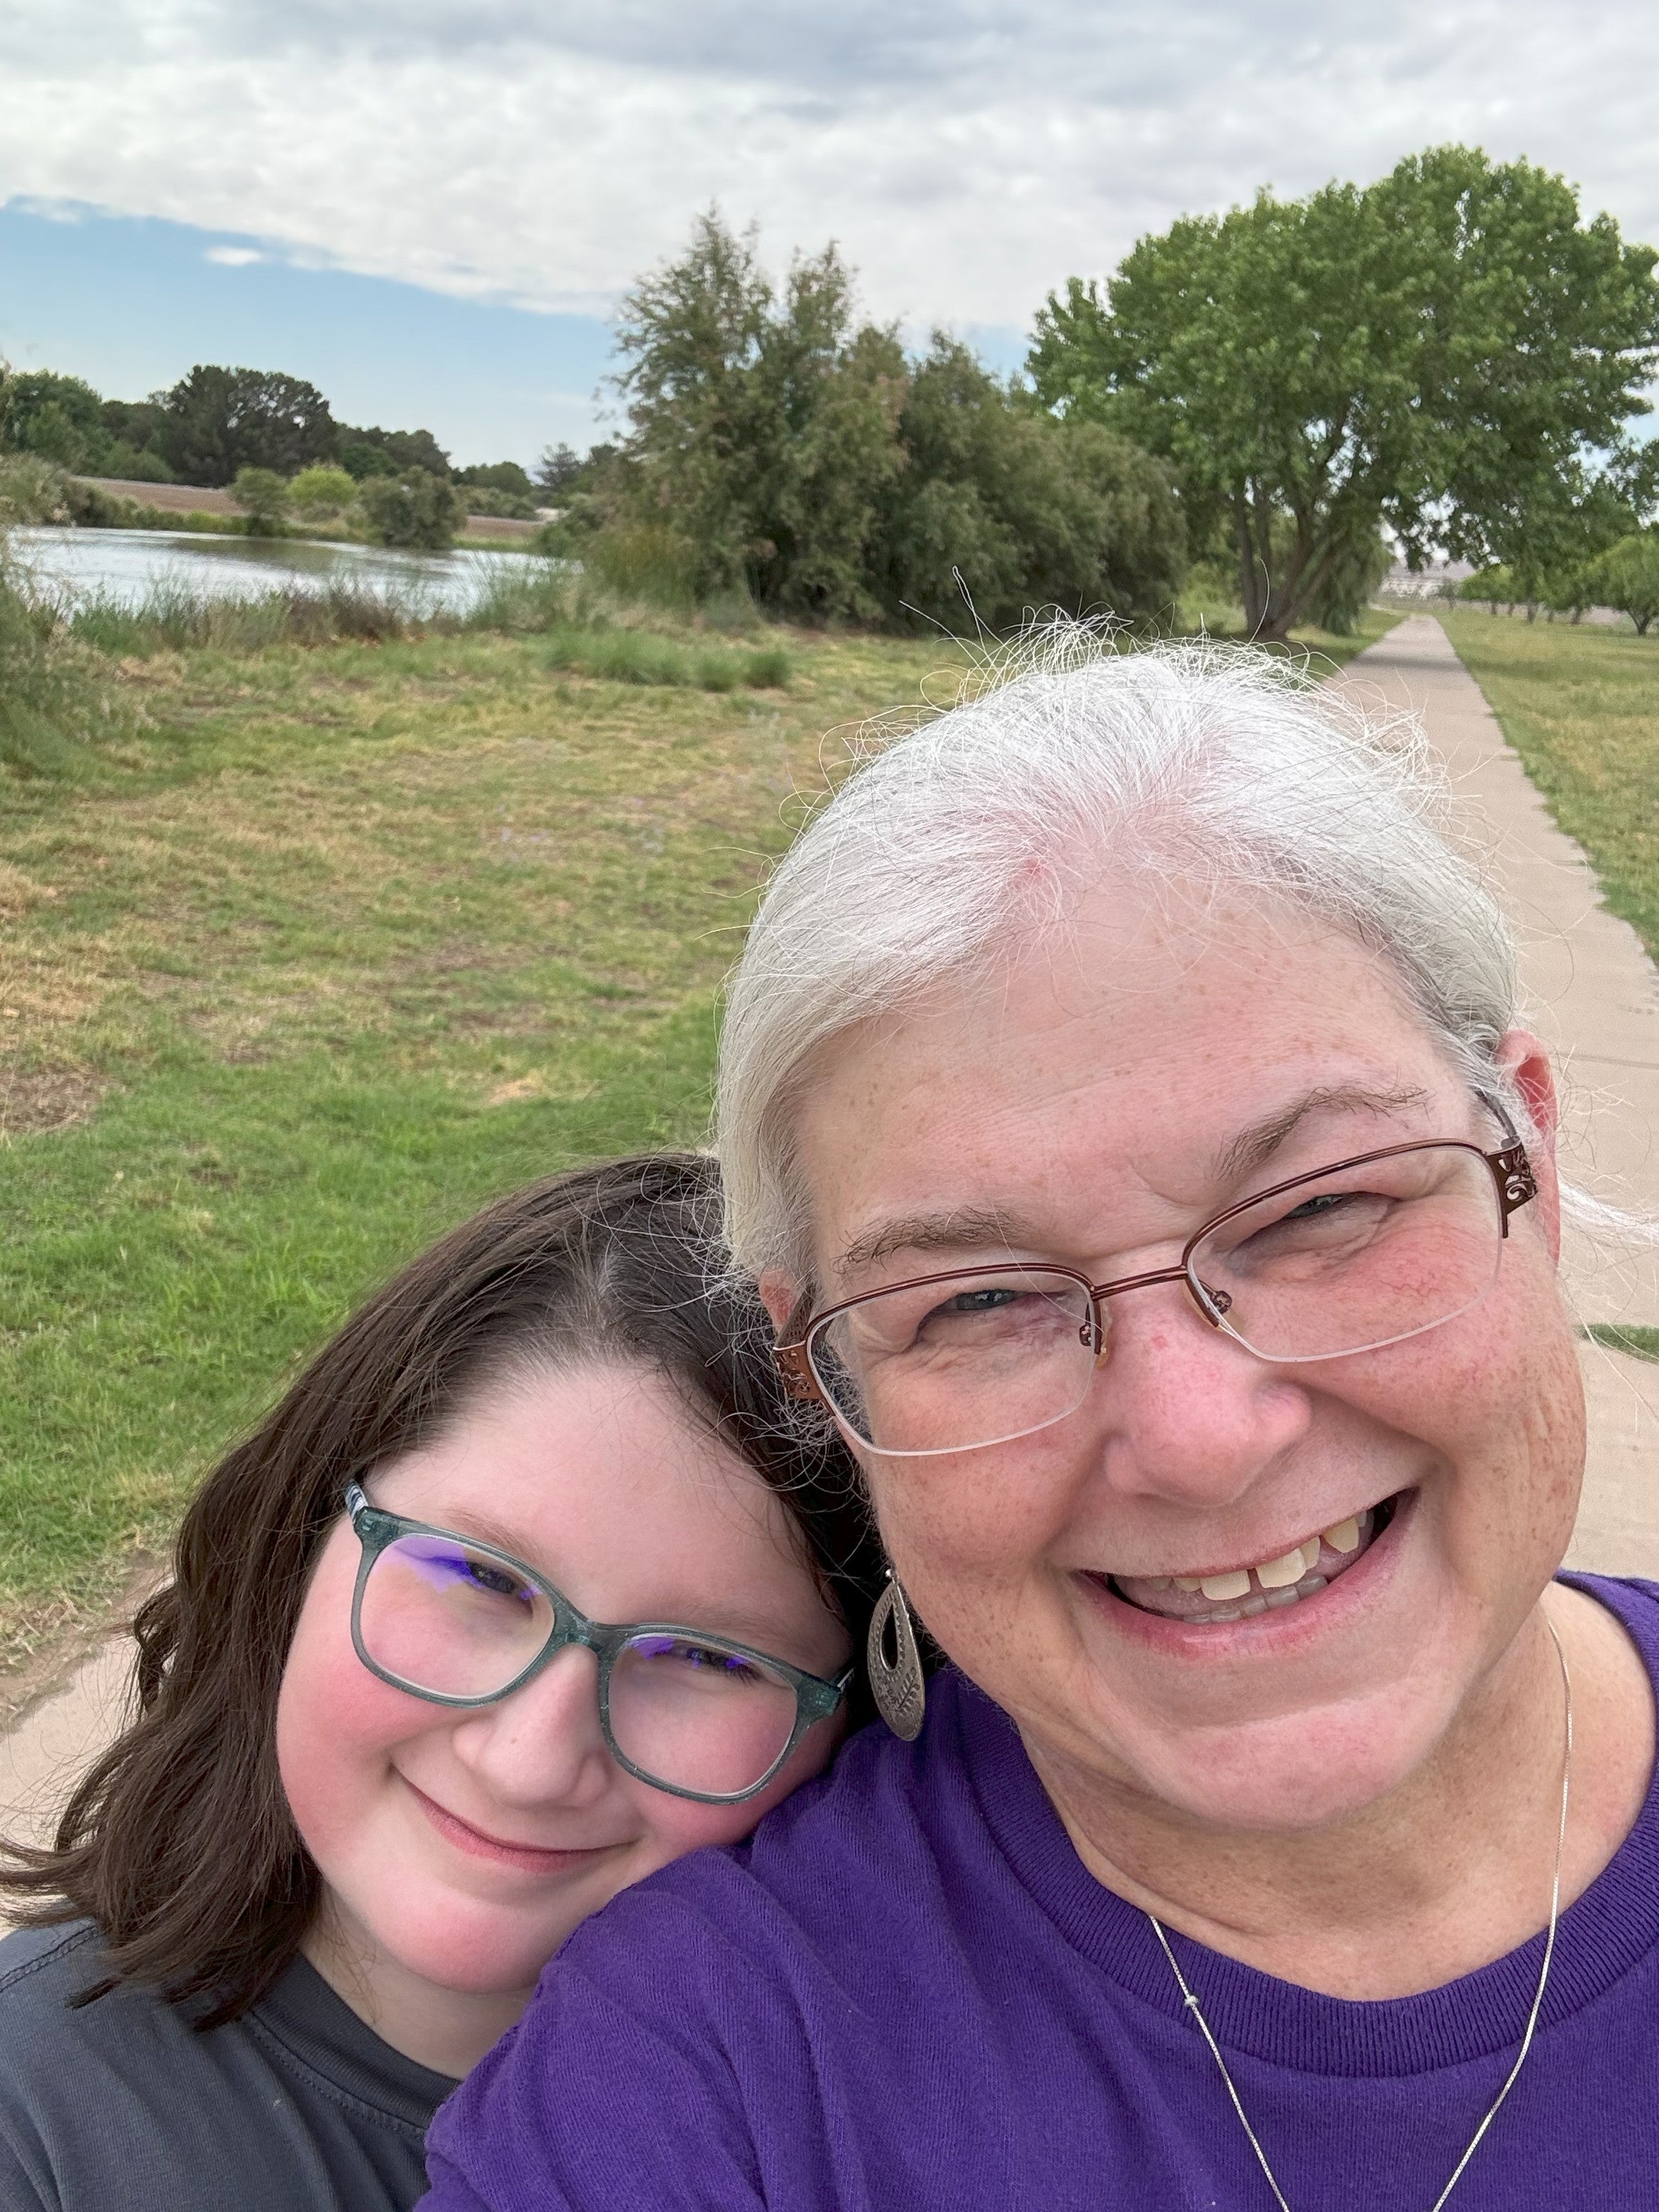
[523,1590]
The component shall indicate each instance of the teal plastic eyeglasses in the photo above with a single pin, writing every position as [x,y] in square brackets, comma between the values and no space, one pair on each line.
[459,1623]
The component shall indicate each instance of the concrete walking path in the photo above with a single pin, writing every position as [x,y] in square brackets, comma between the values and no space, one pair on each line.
[1593,995]
[1594,998]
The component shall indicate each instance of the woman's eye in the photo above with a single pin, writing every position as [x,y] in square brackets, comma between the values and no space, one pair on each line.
[986,1301]
[1327,1202]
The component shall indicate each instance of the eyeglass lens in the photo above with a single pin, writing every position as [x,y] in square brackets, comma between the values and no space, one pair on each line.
[440,1616]
[1346,1262]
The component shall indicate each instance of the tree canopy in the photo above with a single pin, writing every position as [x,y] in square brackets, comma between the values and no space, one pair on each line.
[1626,576]
[217,421]
[793,451]
[1450,354]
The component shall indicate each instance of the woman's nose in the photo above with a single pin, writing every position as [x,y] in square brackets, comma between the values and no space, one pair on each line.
[543,1744]
[1183,1410]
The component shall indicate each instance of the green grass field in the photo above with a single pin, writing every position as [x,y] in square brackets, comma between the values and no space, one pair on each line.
[1581,707]
[320,951]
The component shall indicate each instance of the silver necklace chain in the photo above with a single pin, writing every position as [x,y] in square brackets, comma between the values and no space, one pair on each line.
[1203,2025]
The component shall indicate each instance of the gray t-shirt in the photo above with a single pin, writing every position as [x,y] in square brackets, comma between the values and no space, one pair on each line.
[121,2104]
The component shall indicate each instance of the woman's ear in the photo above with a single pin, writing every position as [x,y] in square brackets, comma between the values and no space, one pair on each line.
[1525,1060]
[1524,1057]
[779,1295]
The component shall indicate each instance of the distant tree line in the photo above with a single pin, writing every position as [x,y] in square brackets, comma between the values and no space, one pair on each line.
[216,422]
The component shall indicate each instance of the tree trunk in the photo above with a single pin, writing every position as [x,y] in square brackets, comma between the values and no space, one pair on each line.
[1252,583]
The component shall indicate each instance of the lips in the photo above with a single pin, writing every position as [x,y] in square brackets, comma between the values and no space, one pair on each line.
[1263,1586]
[533,1858]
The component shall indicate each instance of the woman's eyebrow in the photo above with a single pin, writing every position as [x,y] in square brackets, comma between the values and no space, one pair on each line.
[955,1229]
[1254,1145]
[964,1229]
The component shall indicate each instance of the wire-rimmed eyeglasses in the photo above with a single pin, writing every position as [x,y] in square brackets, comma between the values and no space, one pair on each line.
[1346,1259]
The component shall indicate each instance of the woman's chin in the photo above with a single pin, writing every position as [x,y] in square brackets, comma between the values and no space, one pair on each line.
[1292,1773]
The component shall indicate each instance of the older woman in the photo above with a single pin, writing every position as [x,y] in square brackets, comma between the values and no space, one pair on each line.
[1124,1112]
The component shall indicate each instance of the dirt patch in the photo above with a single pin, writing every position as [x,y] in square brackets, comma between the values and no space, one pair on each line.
[34,1099]
[43,1644]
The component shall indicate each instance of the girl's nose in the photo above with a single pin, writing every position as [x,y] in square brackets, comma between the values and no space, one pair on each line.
[543,1744]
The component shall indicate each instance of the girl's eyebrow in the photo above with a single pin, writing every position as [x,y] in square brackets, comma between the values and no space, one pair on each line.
[465,1522]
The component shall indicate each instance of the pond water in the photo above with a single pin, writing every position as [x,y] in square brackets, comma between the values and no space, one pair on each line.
[126,566]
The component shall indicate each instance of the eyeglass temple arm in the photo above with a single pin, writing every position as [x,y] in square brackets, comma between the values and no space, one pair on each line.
[789,1357]
[1511,1169]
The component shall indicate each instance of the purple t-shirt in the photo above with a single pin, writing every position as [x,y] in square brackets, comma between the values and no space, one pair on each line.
[905,1994]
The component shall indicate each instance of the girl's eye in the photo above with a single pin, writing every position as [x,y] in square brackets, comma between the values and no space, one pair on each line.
[485,1575]
[698,1657]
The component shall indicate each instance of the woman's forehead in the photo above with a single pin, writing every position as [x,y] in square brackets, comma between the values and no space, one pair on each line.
[1065,1081]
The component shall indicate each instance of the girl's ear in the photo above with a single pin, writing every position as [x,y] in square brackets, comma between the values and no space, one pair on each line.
[779,1295]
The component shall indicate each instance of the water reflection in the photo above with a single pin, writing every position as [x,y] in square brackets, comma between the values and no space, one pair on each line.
[124,567]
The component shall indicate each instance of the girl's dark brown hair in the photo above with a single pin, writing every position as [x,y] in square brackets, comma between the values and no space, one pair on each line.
[178,1842]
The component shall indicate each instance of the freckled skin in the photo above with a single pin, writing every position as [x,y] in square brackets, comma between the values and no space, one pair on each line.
[1089,1088]
[636,1511]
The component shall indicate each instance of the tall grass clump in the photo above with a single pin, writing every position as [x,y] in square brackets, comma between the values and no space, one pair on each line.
[635,656]
[53,705]
[644,561]
[175,617]
[523,597]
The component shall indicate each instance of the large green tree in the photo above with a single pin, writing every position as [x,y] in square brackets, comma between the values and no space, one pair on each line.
[762,423]
[217,421]
[1016,510]
[1449,354]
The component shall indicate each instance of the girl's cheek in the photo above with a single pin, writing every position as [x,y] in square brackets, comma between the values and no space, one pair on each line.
[335,1722]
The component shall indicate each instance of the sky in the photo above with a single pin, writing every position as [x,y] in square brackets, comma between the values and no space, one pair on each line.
[431,208]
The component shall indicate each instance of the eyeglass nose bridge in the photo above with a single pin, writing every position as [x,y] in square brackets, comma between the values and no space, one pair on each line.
[1212,1304]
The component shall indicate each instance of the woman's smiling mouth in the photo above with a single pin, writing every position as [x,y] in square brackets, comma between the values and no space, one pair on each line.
[1241,1592]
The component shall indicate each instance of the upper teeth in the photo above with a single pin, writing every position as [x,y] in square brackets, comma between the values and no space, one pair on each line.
[1274,1574]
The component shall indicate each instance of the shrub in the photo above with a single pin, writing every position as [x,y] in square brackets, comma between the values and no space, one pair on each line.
[484,499]
[422,512]
[323,491]
[33,489]
[1024,509]
[262,496]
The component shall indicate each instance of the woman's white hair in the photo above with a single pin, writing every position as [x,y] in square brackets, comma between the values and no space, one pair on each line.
[1217,763]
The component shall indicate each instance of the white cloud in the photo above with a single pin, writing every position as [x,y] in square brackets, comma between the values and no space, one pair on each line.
[233,257]
[968,158]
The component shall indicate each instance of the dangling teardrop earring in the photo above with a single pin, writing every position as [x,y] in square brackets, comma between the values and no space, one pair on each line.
[898,1685]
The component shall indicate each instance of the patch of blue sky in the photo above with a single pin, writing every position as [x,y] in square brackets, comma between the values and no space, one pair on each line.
[130,303]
